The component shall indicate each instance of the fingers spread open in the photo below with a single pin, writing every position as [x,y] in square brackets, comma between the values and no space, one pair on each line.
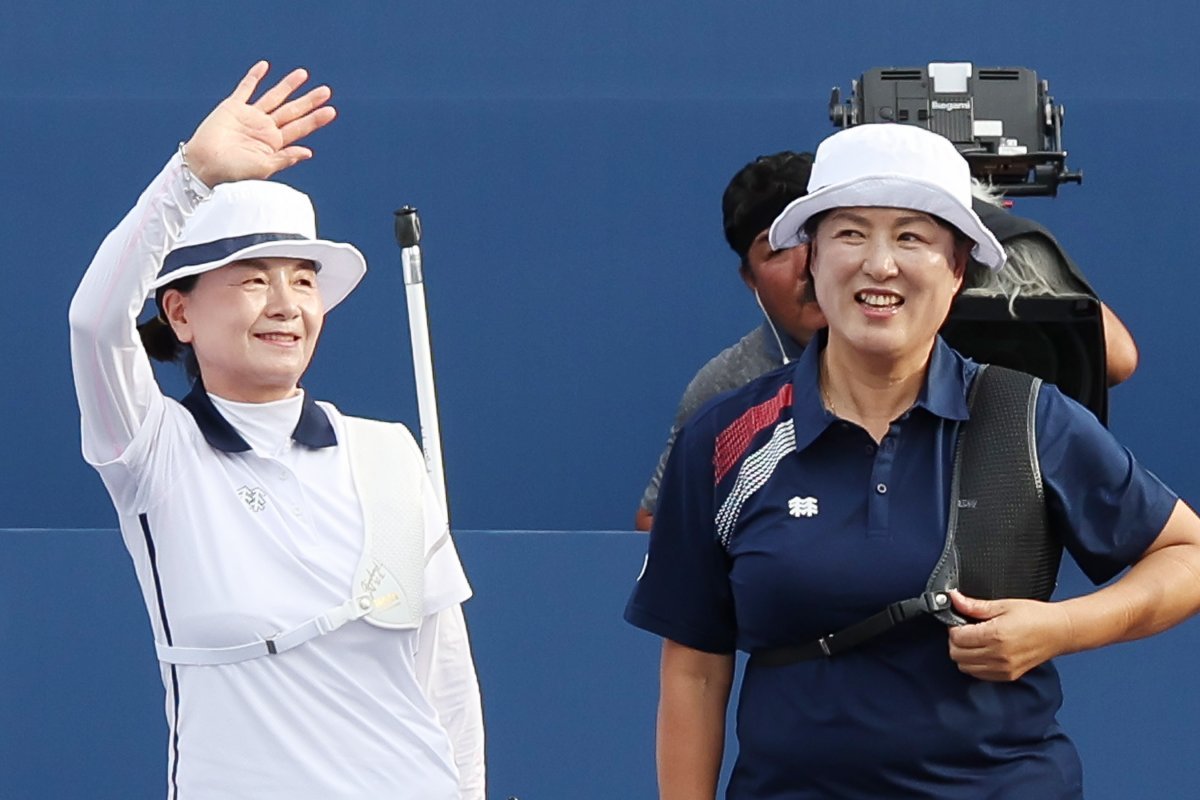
[294,109]
[246,86]
[277,94]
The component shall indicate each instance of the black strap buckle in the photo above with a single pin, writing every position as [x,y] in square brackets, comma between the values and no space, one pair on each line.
[936,601]
[927,603]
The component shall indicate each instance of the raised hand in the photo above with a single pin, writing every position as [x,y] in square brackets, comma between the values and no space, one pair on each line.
[241,139]
[1010,638]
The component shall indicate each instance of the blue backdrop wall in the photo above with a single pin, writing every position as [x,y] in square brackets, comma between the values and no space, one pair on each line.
[568,160]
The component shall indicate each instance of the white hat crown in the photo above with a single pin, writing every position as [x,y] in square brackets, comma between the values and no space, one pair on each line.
[249,207]
[899,150]
[890,165]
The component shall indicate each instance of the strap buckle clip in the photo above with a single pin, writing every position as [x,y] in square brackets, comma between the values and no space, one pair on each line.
[363,604]
[936,601]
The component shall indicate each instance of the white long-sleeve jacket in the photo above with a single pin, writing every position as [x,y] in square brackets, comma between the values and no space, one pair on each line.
[242,520]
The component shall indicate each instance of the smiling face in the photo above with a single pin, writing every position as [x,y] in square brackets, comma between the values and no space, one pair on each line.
[253,324]
[885,278]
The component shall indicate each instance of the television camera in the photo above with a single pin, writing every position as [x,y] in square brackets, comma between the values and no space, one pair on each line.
[1002,119]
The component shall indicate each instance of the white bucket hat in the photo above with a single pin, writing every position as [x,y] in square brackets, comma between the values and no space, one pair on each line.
[895,166]
[261,219]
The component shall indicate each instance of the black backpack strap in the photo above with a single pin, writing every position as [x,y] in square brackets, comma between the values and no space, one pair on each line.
[998,542]
[998,539]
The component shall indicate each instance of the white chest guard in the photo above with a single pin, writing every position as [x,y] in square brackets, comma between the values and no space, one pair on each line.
[389,472]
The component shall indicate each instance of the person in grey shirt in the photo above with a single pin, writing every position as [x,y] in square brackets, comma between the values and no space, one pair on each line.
[777,278]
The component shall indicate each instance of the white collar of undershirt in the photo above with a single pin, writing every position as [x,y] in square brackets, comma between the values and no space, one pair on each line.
[266,427]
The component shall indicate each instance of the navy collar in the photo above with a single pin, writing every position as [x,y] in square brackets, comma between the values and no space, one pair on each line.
[943,394]
[312,430]
[791,347]
[809,415]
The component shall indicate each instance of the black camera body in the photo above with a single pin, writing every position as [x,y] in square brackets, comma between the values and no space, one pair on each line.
[1002,119]
[1059,339]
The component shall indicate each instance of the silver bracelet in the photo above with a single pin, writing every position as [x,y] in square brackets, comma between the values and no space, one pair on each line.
[190,181]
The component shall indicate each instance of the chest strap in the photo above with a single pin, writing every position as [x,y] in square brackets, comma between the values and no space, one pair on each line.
[388,586]
[998,541]
[856,634]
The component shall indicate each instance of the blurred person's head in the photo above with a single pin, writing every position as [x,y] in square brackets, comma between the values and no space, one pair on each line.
[754,198]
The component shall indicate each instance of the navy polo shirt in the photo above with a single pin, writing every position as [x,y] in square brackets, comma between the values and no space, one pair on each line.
[778,523]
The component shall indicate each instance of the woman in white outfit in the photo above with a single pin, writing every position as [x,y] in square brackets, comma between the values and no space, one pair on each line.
[289,671]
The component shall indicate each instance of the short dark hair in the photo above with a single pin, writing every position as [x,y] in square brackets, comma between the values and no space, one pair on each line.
[759,192]
[159,339]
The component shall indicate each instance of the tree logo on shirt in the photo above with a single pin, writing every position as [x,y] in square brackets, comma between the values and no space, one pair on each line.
[802,506]
[255,499]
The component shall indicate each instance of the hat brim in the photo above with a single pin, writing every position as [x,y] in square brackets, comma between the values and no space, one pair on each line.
[888,191]
[342,266]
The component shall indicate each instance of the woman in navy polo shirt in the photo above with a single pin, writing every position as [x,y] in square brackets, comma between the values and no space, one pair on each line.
[817,495]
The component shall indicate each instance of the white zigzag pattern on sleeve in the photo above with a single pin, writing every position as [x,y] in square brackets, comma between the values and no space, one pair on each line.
[753,473]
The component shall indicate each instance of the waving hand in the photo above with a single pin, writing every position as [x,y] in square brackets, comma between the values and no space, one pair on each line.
[241,139]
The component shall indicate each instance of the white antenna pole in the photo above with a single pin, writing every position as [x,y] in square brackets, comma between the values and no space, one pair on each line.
[408,236]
